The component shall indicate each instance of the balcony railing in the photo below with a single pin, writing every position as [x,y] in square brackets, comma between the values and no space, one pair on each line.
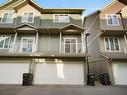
[65,48]
[18,47]
[125,50]
[71,48]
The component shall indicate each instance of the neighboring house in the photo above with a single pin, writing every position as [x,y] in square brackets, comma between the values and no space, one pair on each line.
[107,43]
[45,42]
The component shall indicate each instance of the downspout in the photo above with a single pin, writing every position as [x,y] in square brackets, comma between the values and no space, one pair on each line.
[121,16]
[124,27]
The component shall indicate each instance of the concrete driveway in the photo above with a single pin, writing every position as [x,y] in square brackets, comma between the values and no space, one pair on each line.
[61,90]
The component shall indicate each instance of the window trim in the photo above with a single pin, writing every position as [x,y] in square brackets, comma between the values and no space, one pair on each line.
[33,38]
[8,43]
[27,19]
[61,21]
[76,44]
[113,23]
[3,17]
[110,45]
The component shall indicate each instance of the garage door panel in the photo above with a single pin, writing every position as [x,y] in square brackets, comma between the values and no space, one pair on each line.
[59,74]
[12,73]
[120,71]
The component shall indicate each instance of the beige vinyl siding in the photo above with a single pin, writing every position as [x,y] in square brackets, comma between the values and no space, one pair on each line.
[47,21]
[95,65]
[121,43]
[93,48]
[51,42]
[114,9]
[124,14]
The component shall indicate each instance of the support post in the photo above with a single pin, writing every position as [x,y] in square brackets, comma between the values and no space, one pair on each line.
[14,43]
[82,43]
[60,42]
[125,38]
[36,47]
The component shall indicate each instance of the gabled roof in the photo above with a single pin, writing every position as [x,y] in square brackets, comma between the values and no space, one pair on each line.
[7,3]
[107,6]
[71,27]
[24,25]
[113,2]
[20,3]
[31,2]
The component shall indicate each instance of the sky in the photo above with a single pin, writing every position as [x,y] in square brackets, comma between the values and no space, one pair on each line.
[89,5]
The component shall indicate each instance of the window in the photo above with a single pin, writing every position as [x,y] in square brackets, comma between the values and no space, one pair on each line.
[27,17]
[27,45]
[7,17]
[6,41]
[112,20]
[70,45]
[61,18]
[112,44]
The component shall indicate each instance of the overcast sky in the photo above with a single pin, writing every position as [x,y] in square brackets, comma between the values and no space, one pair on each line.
[89,5]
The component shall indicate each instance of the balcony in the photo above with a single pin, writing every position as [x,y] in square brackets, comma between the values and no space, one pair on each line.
[71,48]
[29,48]
[20,47]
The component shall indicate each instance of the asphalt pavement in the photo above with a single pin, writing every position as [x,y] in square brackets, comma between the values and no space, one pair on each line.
[62,90]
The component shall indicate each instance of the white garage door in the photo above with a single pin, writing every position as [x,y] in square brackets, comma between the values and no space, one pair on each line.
[120,73]
[59,74]
[11,73]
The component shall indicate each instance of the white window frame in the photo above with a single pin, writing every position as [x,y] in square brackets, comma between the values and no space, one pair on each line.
[110,45]
[61,21]
[8,13]
[70,47]
[22,44]
[112,20]
[8,42]
[27,18]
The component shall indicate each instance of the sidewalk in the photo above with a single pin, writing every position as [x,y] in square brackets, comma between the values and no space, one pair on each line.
[61,90]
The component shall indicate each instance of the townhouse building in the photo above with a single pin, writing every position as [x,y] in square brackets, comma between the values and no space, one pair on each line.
[45,42]
[107,42]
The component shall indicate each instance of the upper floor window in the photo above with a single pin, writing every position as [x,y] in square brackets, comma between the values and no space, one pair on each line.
[70,45]
[7,17]
[27,45]
[61,18]
[28,17]
[112,20]
[112,44]
[6,41]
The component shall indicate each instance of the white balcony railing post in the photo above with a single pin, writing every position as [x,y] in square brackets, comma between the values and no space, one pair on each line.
[60,45]
[13,45]
[125,38]
[36,42]
[73,50]
[82,40]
